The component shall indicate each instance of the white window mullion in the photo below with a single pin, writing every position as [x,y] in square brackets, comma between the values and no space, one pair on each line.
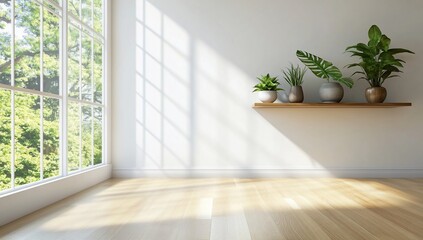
[80,136]
[80,91]
[42,90]
[92,90]
[104,110]
[12,97]
[41,48]
[41,137]
[31,91]
[92,14]
[12,153]
[92,135]
[64,90]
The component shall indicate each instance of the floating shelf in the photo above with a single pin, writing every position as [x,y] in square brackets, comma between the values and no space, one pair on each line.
[330,105]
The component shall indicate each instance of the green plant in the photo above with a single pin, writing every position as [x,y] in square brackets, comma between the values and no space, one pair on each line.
[267,83]
[294,75]
[377,59]
[323,69]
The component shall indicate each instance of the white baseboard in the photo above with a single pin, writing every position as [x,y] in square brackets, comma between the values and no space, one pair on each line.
[25,201]
[264,173]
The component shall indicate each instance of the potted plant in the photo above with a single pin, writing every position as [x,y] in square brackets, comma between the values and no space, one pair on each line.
[294,77]
[267,88]
[377,64]
[331,91]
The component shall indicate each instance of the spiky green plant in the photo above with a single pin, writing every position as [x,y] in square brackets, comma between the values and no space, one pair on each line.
[294,75]
[377,59]
[267,83]
[323,69]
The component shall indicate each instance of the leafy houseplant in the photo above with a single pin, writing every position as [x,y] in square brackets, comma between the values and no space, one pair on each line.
[377,64]
[330,92]
[267,88]
[294,77]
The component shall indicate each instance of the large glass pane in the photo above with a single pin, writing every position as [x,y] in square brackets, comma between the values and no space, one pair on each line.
[73,136]
[74,7]
[56,1]
[98,16]
[98,72]
[51,6]
[86,81]
[51,48]
[27,138]
[5,140]
[5,42]
[87,12]
[51,143]
[27,44]
[87,137]
[73,61]
[98,135]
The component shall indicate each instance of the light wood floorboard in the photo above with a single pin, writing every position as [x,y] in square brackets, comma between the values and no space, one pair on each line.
[232,209]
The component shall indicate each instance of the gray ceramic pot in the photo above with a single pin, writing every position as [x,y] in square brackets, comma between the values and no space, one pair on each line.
[296,95]
[331,92]
[376,94]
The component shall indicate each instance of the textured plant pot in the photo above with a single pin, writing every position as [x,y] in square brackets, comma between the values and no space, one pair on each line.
[331,92]
[376,94]
[296,95]
[267,96]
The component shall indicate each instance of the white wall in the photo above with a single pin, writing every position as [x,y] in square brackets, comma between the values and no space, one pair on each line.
[183,72]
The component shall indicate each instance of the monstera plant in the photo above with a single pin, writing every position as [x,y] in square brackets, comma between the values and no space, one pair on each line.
[378,62]
[332,91]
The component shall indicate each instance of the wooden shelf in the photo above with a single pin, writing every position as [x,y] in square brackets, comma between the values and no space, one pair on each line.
[330,105]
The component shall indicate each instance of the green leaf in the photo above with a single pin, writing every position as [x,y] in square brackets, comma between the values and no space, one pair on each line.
[346,81]
[386,74]
[322,68]
[358,72]
[374,33]
[394,51]
[294,75]
[373,43]
[267,83]
[384,43]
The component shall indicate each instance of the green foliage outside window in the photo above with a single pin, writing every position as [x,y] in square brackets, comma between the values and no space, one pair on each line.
[37,118]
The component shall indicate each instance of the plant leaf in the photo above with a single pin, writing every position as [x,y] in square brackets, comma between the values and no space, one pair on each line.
[346,81]
[321,68]
[384,43]
[394,51]
[358,72]
[374,33]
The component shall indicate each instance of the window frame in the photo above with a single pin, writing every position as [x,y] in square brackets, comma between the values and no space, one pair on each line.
[65,19]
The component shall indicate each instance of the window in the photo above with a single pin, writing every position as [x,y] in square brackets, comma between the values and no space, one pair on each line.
[51,89]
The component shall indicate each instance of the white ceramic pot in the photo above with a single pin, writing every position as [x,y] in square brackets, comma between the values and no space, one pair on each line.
[331,92]
[267,96]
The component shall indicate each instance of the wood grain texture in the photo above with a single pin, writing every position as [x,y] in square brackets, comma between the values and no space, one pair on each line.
[330,105]
[232,209]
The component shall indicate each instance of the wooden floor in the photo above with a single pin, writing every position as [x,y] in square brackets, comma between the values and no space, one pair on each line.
[232,209]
